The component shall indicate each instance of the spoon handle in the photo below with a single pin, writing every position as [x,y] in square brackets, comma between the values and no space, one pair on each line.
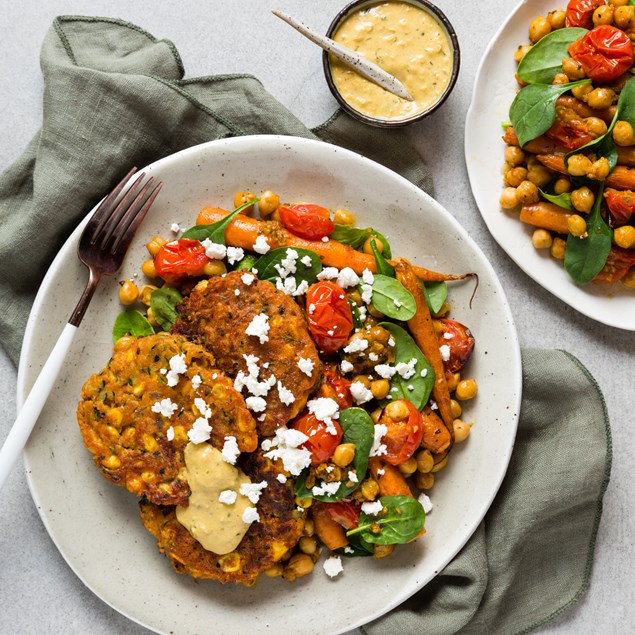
[357,62]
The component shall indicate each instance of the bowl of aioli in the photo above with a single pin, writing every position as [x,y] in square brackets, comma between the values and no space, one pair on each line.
[410,39]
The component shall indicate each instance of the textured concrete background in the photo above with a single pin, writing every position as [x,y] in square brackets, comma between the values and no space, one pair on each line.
[38,592]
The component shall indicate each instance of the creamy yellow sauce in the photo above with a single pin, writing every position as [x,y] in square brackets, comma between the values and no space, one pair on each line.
[405,41]
[217,526]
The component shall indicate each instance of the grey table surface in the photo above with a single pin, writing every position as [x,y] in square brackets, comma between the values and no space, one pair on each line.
[38,591]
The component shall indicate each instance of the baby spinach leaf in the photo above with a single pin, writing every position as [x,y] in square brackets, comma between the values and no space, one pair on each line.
[358,429]
[267,265]
[357,320]
[246,263]
[383,266]
[406,349]
[585,257]
[435,293]
[216,231]
[401,521]
[357,548]
[533,111]
[626,104]
[356,237]
[163,304]
[131,323]
[563,200]
[392,298]
[544,60]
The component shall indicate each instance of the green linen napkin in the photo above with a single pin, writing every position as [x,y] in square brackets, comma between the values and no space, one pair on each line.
[114,97]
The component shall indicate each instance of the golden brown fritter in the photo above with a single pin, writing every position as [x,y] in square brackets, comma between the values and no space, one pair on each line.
[217,317]
[129,440]
[264,544]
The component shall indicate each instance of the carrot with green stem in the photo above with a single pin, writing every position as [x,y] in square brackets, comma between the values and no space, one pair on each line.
[243,232]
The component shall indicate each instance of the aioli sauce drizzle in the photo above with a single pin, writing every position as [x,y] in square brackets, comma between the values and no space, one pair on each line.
[405,41]
[217,526]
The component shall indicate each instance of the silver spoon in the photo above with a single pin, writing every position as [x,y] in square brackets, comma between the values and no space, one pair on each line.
[356,61]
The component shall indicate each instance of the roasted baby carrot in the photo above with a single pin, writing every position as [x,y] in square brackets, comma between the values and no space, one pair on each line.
[546,215]
[390,480]
[553,161]
[423,331]
[621,178]
[243,231]
[329,531]
[436,437]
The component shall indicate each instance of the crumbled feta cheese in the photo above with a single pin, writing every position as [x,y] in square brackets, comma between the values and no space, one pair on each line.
[169,434]
[426,503]
[253,490]
[349,550]
[372,509]
[247,278]
[410,387]
[286,396]
[333,566]
[407,370]
[306,365]
[234,255]
[448,336]
[174,228]
[200,431]
[362,313]
[256,404]
[227,497]
[346,366]
[381,471]
[385,371]
[259,327]
[325,239]
[311,309]
[306,261]
[251,515]
[373,357]
[326,488]
[177,367]
[368,277]
[424,373]
[196,382]
[230,450]
[391,342]
[378,448]
[352,477]
[285,446]
[215,251]
[347,278]
[328,273]
[261,246]
[281,478]
[287,265]
[360,393]
[203,407]
[356,346]
[236,292]
[289,286]
[165,407]
[324,409]
[445,352]
[367,293]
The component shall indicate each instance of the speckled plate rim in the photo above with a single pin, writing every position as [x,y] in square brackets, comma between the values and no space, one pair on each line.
[494,90]
[59,469]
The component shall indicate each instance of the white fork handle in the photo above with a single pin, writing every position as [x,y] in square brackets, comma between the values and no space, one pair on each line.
[32,407]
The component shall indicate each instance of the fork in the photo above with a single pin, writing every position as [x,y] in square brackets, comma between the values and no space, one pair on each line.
[102,247]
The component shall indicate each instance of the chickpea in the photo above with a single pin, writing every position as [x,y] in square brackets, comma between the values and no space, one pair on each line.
[408,467]
[599,169]
[562,185]
[367,249]
[539,175]
[425,461]
[461,430]
[559,79]
[300,564]
[344,454]
[600,98]
[573,69]
[521,51]
[375,415]
[618,3]
[240,198]
[343,217]
[151,318]
[382,551]
[275,216]
[629,279]
[582,92]
[309,527]
[154,245]
[515,176]
[214,268]
[369,489]
[521,82]
[397,410]
[362,379]
[623,131]
[453,381]
[595,126]
[509,198]
[148,269]
[527,193]
[380,388]
[579,165]
[128,292]
[557,248]
[514,155]
[305,503]
[603,15]
[623,15]
[440,464]
[538,28]
[146,292]
[576,225]
[556,19]
[274,571]
[582,199]
[424,480]
[455,408]
[268,203]
[308,545]
[466,389]
[541,239]
[624,236]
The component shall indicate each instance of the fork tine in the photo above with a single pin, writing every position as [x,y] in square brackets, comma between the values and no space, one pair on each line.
[133,217]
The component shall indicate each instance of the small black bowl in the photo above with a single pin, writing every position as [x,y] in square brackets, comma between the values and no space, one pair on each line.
[355,6]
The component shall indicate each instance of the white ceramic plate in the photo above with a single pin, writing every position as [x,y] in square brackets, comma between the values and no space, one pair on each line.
[95,525]
[494,91]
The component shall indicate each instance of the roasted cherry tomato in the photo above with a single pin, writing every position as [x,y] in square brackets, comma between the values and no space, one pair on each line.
[604,52]
[404,431]
[335,386]
[621,204]
[345,512]
[307,221]
[329,316]
[181,258]
[321,442]
[617,265]
[580,12]
[460,340]
[571,135]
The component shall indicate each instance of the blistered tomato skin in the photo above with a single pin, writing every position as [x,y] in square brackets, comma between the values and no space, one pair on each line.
[604,52]
[335,386]
[321,443]
[460,341]
[571,135]
[306,221]
[617,265]
[180,259]
[580,12]
[621,204]
[329,316]
[345,512]
[402,438]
